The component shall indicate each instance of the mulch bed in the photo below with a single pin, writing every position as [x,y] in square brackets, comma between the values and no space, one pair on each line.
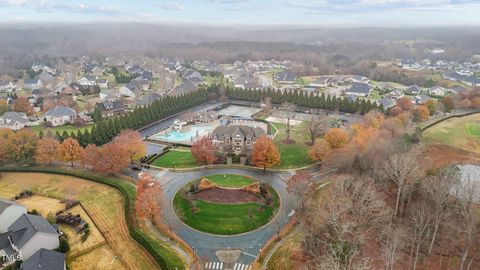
[288,142]
[220,195]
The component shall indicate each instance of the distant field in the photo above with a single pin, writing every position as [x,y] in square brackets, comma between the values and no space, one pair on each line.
[463,132]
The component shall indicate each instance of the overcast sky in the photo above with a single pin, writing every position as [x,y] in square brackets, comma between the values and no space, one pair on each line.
[248,12]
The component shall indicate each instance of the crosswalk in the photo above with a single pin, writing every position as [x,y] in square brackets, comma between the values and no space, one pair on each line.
[219,266]
[241,266]
[214,265]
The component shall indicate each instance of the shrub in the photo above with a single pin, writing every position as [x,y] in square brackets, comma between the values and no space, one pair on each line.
[64,247]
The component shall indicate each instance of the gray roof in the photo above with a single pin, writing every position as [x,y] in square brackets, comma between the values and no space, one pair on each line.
[222,132]
[44,259]
[15,117]
[362,88]
[148,99]
[108,105]
[4,204]
[26,226]
[386,102]
[414,89]
[4,240]
[33,81]
[61,111]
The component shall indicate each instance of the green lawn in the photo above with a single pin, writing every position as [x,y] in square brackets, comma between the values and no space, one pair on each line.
[230,180]
[60,129]
[292,155]
[224,219]
[176,159]
[463,132]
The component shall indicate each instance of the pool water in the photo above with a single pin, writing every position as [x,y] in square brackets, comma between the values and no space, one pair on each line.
[184,136]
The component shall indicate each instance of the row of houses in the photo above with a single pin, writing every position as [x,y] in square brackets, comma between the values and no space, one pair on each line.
[28,238]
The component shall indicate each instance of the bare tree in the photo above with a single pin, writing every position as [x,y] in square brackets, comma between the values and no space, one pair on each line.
[299,188]
[391,248]
[315,126]
[267,105]
[400,169]
[288,114]
[421,223]
[436,191]
[466,192]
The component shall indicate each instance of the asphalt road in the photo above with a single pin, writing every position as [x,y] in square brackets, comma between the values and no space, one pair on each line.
[206,245]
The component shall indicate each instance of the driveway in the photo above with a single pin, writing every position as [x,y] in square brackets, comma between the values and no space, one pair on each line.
[205,245]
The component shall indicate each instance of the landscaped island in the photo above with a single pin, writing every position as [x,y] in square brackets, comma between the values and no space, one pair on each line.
[226,204]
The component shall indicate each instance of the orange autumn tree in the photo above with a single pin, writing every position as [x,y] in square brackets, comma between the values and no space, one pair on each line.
[47,150]
[6,135]
[421,113]
[204,151]
[320,150]
[405,104]
[91,156]
[265,153]
[21,146]
[336,138]
[113,158]
[23,105]
[131,141]
[149,198]
[70,151]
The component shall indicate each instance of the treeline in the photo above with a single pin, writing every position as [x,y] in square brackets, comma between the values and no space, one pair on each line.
[104,130]
[302,99]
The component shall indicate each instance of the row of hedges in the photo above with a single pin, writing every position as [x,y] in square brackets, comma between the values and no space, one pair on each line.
[128,191]
[446,118]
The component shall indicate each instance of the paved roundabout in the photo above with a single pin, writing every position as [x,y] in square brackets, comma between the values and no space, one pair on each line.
[206,245]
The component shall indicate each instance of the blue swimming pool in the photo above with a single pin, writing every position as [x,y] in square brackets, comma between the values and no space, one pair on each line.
[184,136]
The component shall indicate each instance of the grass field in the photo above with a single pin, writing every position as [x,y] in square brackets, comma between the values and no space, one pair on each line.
[292,155]
[60,129]
[43,205]
[280,259]
[463,132]
[105,206]
[176,159]
[224,219]
[230,180]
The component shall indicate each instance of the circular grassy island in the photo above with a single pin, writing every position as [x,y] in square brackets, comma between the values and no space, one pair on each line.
[226,204]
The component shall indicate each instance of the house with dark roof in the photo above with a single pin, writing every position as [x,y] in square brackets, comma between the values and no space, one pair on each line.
[60,115]
[322,81]
[13,120]
[32,84]
[148,99]
[465,79]
[45,259]
[9,212]
[236,138]
[395,94]
[413,90]
[30,233]
[286,78]
[132,89]
[111,108]
[359,90]
[386,102]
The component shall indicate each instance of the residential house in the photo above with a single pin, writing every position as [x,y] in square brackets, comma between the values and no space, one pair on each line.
[44,259]
[322,81]
[387,102]
[465,79]
[110,94]
[385,86]
[9,212]
[131,89]
[102,83]
[30,233]
[457,89]
[110,109]
[6,86]
[60,115]
[421,99]
[236,138]
[94,69]
[88,81]
[286,78]
[395,94]
[437,91]
[359,89]
[185,87]
[13,120]
[413,90]
[148,99]
[32,84]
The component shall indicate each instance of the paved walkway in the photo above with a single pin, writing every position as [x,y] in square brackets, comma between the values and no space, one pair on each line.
[277,246]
